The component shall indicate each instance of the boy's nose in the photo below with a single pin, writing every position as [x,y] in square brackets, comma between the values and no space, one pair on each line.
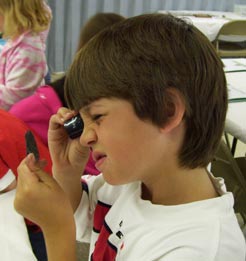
[88,137]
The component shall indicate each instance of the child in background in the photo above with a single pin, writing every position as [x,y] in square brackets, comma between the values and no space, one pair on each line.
[37,109]
[25,25]
[95,24]
[152,94]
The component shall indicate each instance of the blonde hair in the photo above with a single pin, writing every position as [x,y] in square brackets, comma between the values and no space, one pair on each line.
[24,15]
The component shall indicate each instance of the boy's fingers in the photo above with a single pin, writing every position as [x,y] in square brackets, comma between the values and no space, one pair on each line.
[42,163]
[33,164]
[62,115]
[25,175]
[29,171]
[44,177]
[66,113]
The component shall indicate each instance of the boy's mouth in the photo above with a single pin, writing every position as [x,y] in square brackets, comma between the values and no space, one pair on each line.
[99,159]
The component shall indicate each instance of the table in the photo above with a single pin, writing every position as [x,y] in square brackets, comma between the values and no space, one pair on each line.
[235,123]
[208,22]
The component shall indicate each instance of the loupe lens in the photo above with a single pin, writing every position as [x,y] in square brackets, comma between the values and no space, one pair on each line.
[74,126]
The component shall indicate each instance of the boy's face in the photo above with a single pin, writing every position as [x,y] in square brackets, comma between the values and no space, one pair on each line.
[125,148]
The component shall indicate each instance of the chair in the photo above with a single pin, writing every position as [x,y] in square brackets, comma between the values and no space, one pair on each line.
[233,170]
[231,39]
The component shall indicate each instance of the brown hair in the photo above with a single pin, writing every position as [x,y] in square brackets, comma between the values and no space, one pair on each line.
[95,24]
[139,59]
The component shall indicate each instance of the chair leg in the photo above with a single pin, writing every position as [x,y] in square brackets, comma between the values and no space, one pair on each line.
[233,147]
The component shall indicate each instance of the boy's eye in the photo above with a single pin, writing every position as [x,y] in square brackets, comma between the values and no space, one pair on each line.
[96,117]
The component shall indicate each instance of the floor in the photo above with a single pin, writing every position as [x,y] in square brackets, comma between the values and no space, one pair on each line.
[82,251]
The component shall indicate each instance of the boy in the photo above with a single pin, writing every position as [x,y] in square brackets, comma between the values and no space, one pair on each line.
[152,94]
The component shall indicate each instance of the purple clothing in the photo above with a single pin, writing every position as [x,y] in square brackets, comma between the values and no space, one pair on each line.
[36,111]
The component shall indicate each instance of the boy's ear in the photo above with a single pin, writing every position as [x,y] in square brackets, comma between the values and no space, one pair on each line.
[175,110]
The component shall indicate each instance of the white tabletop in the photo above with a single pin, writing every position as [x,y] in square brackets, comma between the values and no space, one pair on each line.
[236,114]
[208,22]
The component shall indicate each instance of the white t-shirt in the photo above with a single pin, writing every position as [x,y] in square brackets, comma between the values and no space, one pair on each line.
[14,240]
[125,227]
[6,180]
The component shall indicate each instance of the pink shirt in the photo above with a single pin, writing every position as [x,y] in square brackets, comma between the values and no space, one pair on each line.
[37,109]
[22,68]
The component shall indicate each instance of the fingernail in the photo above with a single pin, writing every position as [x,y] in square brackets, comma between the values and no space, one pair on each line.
[30,157]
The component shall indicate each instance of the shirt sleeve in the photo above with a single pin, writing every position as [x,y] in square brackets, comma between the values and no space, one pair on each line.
[6,180]
[84,213]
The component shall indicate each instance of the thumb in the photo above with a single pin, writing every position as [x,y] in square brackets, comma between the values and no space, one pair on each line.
[37,169]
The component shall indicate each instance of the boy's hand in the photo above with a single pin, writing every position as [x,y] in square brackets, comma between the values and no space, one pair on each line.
[68,155]
[40,198]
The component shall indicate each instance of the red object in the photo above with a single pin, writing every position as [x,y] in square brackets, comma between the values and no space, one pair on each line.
[13,146]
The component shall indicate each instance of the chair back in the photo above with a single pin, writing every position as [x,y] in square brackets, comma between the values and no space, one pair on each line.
[231,39]
[233,171]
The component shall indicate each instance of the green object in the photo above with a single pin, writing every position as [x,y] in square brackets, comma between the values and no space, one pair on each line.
[237,100]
